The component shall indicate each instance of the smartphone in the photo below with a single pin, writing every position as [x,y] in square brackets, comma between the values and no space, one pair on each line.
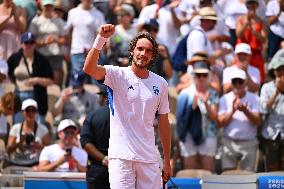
[69,151]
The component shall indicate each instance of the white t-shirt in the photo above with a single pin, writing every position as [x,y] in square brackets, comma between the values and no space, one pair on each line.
[252,71]
[85,24]
[168,33]
[40,132]
[272,10]
[133,106]
[240,127]
[53,152]
[4,71]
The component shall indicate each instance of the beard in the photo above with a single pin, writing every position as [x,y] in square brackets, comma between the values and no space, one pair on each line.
[140,63]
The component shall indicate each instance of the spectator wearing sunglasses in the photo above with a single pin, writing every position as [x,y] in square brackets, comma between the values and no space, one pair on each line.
[196,119]
[242,59]
[64,156]
[239,117]
[272,107]
[26,139]
[30,71]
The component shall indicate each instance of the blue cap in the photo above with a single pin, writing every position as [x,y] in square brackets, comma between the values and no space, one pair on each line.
[27,37]
[78,79]
[153,23]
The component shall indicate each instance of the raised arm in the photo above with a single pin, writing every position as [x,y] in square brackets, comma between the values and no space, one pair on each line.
[91,66]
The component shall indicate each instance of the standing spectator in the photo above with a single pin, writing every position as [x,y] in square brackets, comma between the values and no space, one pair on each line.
[196,119]
[30,6]
[95,140]
[275,14]
[242,58]
[162,65]
[83,31]
[124,33]
[239,117]
[13,22]
[272,106]
[75,102]
[27,139]
[31,73]
[3,75]
[49,31]
[252,30]
[63,156]
[137,95]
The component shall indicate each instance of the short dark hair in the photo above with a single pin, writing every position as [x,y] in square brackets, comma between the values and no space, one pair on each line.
[141,36]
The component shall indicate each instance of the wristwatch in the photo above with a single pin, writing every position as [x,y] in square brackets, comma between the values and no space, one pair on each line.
[104,160]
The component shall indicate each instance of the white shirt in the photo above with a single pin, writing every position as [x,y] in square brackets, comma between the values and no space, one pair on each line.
[85,24]
[240,127]
[133,106]
[53,152]
[272,10]
[4,71]
[168,33]
[252,72]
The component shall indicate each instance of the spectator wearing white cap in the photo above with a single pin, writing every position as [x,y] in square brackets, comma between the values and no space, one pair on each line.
[272,106]
[64,156]
[239,117]
[26,139]
[242,57]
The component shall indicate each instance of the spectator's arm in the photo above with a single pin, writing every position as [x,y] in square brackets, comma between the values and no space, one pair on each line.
[273,19]
[20,16]
[80,167]
[58,107]
[252,86]
[227,87]
[242,26]
[39,81]
[253,117]
[12,144]
[225,118]
[262,35]
[45,165]
[177,22]
[211,111]
[271,100]
[4,22]
[94,152]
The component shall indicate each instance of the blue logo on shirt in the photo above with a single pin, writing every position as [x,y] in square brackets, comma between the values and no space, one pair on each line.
[156,90]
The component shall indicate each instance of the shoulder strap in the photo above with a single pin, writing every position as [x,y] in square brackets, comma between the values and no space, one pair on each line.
[35,128]
[27,66]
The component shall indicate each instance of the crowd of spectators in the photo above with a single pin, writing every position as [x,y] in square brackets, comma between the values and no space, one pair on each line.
[230,88]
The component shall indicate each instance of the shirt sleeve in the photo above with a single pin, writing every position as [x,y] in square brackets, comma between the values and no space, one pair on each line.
[271,9]
[197,43]
[86,133]
[264,97]
[112,76]
[222,106]
[44,154]
[164,102]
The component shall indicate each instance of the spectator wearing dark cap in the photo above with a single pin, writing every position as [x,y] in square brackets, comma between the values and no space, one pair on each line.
[125,31]
[272,106]
[63,156]
[196,119]
[162,65]
[95,140]
[31,72]
[239,117]
[75,102]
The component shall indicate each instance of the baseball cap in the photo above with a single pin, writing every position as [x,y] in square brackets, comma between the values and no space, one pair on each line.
[151,23]
[242,48]
[29,102]
[78,79]
[238,73]
[276,62]
[66,123]
[47,2]
[208,13]
[28,37]
[250,1]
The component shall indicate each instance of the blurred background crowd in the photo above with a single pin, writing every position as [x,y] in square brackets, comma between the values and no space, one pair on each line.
[223,60]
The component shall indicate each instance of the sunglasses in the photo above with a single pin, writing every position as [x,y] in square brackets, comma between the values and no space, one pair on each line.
[69,133]
[29,42]
[31,110]
[199,75]
[238,81]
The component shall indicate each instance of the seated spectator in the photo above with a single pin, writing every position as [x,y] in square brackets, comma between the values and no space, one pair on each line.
[3,75]
[75,102]
[243,54]
[272,107]
[31,73]
[239,117]
[27,139]
[196,120]
[63,156]
[6,108]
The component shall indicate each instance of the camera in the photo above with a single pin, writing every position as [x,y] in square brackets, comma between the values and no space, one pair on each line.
[69,151]
[29,139]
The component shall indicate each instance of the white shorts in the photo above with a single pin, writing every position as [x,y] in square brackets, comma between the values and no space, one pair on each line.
[128,174]
[207,148]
